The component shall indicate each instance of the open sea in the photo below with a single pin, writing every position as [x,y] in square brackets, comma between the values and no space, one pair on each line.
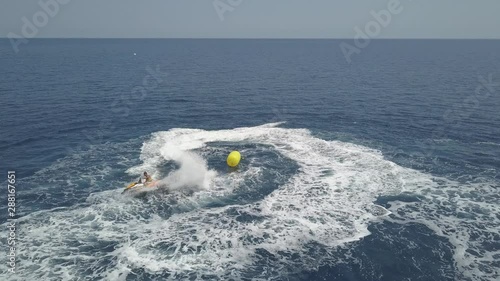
[385,168]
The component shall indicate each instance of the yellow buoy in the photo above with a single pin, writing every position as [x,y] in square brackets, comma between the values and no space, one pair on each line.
[233,159]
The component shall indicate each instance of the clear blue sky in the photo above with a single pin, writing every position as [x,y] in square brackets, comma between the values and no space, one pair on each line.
[255,18]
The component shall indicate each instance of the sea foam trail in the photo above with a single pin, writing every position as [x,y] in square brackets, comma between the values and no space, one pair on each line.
[467,215]
[193,173]
[328,202]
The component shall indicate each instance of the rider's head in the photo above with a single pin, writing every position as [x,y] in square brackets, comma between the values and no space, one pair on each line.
[145,173]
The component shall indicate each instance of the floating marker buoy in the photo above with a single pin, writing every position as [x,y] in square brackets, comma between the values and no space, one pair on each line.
[233,159]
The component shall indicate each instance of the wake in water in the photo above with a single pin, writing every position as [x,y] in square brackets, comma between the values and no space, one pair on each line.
[295,201]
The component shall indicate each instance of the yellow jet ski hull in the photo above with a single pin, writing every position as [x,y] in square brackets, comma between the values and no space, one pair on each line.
[140,186]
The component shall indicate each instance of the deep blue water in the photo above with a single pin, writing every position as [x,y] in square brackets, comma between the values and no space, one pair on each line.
[402,129]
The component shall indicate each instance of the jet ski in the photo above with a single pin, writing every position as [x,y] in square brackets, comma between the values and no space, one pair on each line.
[135,187]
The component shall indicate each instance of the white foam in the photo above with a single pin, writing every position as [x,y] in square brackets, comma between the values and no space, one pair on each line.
[488,143]
[466,215]
[328,201]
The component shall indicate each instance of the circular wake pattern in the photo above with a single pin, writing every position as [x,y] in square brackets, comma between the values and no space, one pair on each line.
[467,215]
[294,200]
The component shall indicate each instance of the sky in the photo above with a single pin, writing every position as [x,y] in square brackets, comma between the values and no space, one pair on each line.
[249,18]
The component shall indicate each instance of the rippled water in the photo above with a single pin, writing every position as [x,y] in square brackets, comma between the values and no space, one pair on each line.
[383,169]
